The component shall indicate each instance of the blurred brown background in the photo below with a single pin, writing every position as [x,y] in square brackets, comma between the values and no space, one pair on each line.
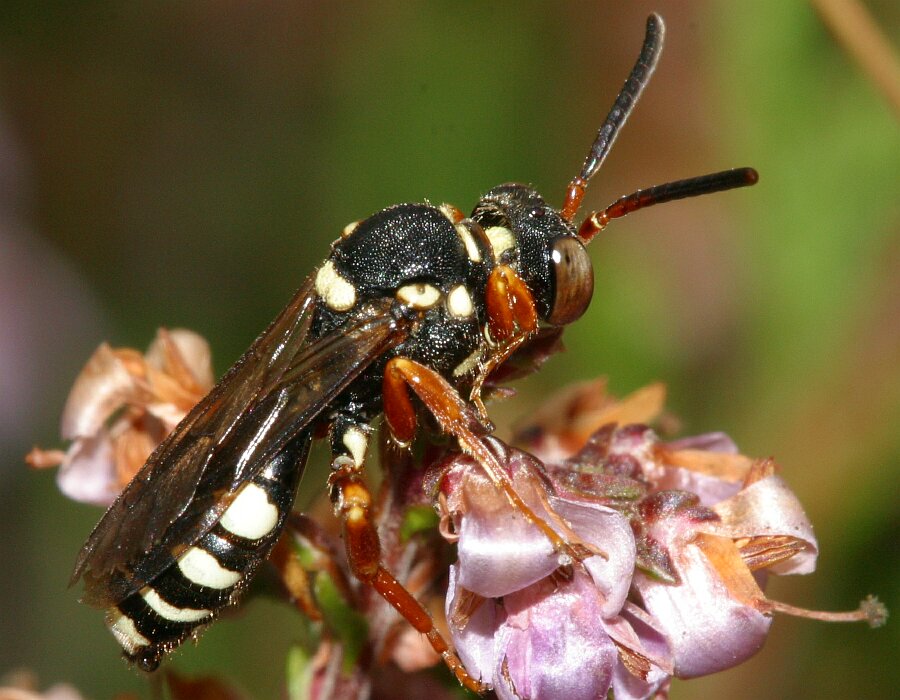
[188,164]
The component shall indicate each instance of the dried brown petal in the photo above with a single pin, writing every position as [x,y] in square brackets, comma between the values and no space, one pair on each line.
[183,355]
[567,420]
[123,405]
[43,459]
[102,387]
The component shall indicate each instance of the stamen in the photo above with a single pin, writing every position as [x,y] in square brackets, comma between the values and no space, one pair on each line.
[870,610]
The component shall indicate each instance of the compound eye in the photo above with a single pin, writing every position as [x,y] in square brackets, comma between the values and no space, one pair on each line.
[573,280]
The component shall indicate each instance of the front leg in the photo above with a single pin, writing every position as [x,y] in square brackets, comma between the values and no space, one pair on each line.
[511,320]
[457,418]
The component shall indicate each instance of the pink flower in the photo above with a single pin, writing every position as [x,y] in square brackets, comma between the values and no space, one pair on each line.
[669,544]
[718,616]
[683,527]
[123,404]
[702,505]
[709,614]
[526,621]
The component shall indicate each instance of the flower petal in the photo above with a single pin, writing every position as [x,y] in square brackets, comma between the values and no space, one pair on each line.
[175,385]
[611,533]
[768,508]
[502,553]
[88,473]
[499,550]
[634,629]
[710,489]
[191,355]
[100,389]
[555,647]
[168,414]
[562,425]
[707,628]
[473,632]
[628,687]
[713,475]
[708,442]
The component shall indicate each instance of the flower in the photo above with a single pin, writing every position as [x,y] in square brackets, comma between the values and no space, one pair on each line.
[22,684]
[122,405]
[702,507]
[722,521]
[678,539]
[521,621]
[563,424]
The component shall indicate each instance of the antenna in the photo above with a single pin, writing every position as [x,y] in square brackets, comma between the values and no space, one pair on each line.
[679,189]
[622,107]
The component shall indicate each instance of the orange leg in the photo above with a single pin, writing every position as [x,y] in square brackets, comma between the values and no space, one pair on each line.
[353,503]
[510,305]
[457,418]
[512,319]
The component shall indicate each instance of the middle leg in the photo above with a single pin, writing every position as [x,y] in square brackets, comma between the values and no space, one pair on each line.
[353,504]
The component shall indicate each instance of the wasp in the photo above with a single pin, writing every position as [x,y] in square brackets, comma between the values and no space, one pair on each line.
[416,309]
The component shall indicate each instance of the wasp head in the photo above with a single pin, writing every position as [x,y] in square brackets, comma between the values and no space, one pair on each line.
[533,238]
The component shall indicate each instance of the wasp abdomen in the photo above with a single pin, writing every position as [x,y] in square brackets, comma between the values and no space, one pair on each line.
[211,573]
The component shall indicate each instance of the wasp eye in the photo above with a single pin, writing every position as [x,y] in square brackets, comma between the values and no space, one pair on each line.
[573,280]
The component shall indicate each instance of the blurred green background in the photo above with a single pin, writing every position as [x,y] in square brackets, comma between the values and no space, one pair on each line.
[187,164]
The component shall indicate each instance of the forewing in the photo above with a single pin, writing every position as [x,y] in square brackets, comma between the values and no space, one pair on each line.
[266,399]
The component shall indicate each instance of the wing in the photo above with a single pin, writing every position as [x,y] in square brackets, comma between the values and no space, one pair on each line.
[271,394]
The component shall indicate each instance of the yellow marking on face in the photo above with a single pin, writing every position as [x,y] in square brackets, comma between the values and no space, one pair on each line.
[348,230]
[501,238]
[468,240]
